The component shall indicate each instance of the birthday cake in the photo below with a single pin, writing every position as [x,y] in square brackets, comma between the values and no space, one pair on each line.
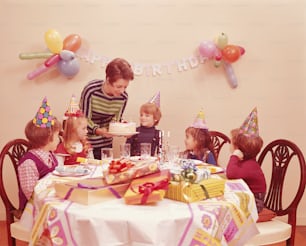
[122,127]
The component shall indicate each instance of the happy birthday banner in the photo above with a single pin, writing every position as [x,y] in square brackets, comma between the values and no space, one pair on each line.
[65,54]
[156,69]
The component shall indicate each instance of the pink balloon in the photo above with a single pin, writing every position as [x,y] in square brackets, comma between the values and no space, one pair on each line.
[52,60]
[207,48]
[38,71]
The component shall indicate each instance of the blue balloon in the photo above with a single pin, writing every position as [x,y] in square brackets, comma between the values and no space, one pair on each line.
[69,68]
[67,55]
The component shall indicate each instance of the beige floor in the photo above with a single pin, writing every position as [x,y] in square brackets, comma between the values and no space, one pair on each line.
[300,236]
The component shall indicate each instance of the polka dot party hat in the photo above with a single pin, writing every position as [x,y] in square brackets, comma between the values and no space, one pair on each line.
[73,109]
[250,125]
[44,117]
[199,121]
[156,99]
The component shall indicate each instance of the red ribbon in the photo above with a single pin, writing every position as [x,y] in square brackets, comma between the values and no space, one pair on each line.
[147,188]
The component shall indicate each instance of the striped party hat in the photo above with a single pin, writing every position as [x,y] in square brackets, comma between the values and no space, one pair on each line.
[156,99]
[44,117]
[250,125]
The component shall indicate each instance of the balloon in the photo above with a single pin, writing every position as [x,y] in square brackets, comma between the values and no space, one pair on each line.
[52,60]
[53,41]
[38,71]
[222,41]
[231,53]
[242,50]
[69,68]
[72,42]
[67,55]
[230,74]
[207,49]
[34,55]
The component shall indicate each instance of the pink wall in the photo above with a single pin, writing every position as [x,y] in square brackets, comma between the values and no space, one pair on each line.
[157,33]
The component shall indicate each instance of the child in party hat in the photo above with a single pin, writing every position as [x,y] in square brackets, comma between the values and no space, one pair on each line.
[42,133]
[198,141]
[75,143]
[150,115]
[245,145]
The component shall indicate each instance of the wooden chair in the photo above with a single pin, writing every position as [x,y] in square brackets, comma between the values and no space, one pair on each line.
[9,157]
[282,155]
[218,139]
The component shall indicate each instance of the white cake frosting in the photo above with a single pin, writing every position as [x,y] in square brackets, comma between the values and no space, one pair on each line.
[122,127]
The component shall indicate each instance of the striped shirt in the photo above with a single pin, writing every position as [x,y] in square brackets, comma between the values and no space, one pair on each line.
[100,109]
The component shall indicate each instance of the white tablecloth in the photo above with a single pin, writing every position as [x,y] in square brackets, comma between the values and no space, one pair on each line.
[227,220]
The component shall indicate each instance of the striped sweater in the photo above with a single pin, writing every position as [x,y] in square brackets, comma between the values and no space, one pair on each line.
[100,109]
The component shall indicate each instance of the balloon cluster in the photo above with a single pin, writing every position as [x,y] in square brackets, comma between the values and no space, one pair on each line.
[222,53]
[61,54]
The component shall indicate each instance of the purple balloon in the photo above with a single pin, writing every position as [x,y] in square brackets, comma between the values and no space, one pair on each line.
[67,55]
[69,68]
[231,77]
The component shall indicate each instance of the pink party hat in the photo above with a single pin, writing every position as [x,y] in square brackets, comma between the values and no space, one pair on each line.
[73,109]
[156,99]
[199,121]
[44,117]
[250,125]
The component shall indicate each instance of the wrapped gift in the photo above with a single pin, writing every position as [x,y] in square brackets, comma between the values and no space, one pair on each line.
[148,189]
[123,171]
[185,191]
[89,191]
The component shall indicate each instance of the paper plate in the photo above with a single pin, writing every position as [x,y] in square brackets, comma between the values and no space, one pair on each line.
[71,171]
[123,133]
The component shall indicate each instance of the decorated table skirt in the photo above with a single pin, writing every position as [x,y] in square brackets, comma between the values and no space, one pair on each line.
[226,220]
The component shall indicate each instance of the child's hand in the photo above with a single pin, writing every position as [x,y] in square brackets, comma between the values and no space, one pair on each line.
[238,153]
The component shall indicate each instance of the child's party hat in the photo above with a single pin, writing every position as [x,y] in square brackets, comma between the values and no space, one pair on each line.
[250,125]
[44,117]
[73,109]
[199,121]
[156,99]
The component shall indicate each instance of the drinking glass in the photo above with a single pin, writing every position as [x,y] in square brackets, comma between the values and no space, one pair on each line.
[173,153]
[107,154]
[125,150]
[145,150]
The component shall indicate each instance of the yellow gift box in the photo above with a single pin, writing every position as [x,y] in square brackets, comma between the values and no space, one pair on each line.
[89,191]
[192,192]
[140,169]
[148,189]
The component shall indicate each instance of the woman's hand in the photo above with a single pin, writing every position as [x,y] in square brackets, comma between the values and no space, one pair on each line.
[103,132]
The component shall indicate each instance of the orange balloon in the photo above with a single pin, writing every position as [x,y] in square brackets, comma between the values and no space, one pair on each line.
[72,42]
[231,53]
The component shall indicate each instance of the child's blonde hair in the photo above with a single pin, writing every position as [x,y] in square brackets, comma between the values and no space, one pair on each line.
[202,139]
[40,136]
[151,108]
[71,125]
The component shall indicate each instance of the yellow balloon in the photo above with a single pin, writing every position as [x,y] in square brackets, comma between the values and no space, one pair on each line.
[54,41]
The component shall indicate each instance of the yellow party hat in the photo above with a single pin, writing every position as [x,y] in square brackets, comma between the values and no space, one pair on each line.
[73,109]
[199,121]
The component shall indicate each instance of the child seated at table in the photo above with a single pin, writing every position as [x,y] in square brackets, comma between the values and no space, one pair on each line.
[245,145]
[198,141]
[74,137]
[43,135]
[149,118]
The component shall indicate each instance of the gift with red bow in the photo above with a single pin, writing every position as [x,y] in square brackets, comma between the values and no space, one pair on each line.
[148,189]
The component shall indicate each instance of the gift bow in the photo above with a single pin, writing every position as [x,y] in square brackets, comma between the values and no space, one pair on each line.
[147,188]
